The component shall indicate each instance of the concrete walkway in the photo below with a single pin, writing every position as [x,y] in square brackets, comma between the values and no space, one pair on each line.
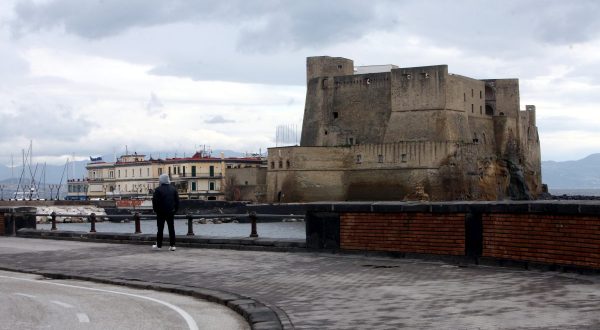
[327,291]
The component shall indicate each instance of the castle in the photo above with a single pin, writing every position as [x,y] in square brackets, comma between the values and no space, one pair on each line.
[390,133]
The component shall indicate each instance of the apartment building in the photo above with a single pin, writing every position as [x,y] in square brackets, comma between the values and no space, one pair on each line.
[134,176]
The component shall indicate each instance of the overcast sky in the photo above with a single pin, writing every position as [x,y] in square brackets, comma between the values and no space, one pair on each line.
[87,77]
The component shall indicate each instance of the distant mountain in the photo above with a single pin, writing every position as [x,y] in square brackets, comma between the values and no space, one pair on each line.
[573,174]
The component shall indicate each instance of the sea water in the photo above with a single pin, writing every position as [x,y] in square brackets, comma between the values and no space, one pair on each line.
[575,192]
[295,230]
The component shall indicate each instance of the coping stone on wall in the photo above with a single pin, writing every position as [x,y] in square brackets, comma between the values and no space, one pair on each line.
[509,207]
[390,207]
[590,208]
[540,206]
[352,207]
[449,207]
[554,207]
[320,207]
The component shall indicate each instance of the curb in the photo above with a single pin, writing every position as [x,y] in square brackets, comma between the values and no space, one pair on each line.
[258,315]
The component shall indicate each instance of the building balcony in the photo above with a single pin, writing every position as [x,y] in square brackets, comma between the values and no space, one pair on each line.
[197,176]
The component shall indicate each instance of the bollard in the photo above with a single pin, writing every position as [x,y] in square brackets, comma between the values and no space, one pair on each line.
[14,224]
[252,216]
[190,225]
[93,222]
[136,218]
[53,216]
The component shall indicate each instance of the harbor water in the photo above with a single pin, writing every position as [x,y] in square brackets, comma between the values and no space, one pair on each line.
[295,230]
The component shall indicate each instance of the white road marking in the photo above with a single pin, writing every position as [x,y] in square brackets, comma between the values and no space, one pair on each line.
[24,295]
[188,319]
[62,304]
[83,318]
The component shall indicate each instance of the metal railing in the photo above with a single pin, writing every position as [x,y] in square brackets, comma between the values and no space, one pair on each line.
[92,219]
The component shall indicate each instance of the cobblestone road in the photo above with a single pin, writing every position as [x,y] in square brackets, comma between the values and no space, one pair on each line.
[326,291]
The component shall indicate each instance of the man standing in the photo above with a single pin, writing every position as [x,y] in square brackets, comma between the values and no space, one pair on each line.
[165,203]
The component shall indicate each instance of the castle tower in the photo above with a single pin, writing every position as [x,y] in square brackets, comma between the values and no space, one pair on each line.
[325,66]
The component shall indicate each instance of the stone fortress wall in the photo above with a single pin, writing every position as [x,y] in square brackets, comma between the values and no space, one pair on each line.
[389,135]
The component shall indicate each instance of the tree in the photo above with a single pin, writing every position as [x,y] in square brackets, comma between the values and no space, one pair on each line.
[231,188]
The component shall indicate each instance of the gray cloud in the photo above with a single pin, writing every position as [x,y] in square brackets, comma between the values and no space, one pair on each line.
[565,123]
[41,122]
[265,25]
[218,119]
[237,40]
[154,105]
[569,22]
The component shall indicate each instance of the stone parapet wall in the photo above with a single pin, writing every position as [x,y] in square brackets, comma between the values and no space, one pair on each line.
[555,235]
[403,232]
[544,238]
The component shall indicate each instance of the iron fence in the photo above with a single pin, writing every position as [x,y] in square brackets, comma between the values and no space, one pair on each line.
[137,217]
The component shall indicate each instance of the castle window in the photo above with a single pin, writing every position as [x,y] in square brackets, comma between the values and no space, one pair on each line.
[480,94]
[380,158]
[489,110]
[287,164]
[350,141]
[272,164]
[325,132]
[280,164]
[425,75]
[246,183]
[324,83]
[465,97]
[358,159]
[472,108]
[403,158]
[339,66]
[335,115]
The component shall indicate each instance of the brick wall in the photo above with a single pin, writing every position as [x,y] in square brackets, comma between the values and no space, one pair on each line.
[2,231]
[429,233]
[544,238]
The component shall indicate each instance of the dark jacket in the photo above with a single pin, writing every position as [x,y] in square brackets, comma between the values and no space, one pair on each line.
[165,199]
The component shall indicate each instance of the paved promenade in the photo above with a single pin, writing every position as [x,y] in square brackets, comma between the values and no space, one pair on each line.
[327,291]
